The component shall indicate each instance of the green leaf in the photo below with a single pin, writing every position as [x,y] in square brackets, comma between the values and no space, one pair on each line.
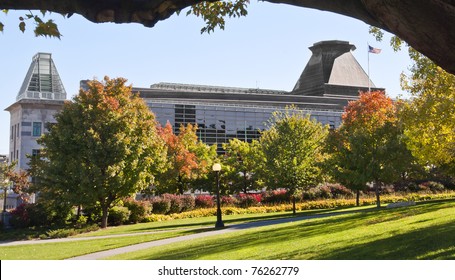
[1,27]
[48,28]
[22,26]
[377,33]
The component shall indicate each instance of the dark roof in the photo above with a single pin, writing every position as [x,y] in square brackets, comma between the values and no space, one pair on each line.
[332,67]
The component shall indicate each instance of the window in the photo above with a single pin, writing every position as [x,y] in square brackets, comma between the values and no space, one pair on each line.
[35,152]
[37,129]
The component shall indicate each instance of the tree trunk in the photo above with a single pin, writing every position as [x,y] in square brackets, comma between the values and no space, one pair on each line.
[245,185]
[78,214]
[293,205]
[357,198]
[180,185]
[376,189]
[105,213]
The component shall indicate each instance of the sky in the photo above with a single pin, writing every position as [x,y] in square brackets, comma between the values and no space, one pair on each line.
[268,49]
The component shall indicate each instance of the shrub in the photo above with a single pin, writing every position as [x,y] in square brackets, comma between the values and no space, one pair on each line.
[248,200]
[34,214]
[157,218]
[204,201]
[39,215]
[19,217]
[319,192]
[176,202]
[187,202]
[161,205]
[339,191]
[118,215]
[65,232]
[138,209]
[59,233]
[434,187]
[276,197]
[93,213]
[80,222]
[228,200]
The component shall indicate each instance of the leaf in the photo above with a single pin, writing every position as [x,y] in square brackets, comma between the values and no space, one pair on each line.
[22,26]
[48,28]
[1,27]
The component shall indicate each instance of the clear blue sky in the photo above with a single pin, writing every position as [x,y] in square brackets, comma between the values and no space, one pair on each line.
[267,49]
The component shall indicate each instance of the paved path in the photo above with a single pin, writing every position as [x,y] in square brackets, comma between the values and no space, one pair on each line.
[71,239]
[231,228]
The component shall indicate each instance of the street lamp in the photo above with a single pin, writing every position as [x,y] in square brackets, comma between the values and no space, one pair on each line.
[219,222]
[5,184]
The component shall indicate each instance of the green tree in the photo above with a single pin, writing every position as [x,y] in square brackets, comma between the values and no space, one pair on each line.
[373,137]
[293,150]
[240,165]
[429,115]
[344,162]
[104,147]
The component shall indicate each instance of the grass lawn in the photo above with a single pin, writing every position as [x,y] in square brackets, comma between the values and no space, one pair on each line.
[148,232]
[63,250]
[424,231]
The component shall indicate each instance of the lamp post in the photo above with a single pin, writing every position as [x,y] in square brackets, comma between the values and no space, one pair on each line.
[5,190]
[219,222]
[5,184]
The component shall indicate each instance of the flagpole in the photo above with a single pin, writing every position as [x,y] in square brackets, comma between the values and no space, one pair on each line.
[368,53]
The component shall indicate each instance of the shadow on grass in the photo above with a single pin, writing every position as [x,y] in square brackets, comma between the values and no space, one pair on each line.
[431,242]
[232,220]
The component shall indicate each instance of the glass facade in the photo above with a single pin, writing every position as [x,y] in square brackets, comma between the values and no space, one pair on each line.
[42,80]
[218,123]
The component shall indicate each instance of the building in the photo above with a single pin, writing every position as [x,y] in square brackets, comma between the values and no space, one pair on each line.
[331,78]
[41,95]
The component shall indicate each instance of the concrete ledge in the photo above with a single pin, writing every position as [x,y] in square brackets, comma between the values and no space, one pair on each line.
[401,204]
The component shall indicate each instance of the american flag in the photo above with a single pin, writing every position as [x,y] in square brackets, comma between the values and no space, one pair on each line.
[373,50]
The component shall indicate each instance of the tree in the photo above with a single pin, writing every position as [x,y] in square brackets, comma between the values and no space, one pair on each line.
[292,148]
[104,147]
[373,137]
[18,178]
[240,164]
[430,114]
[428,26]
[344,162]
[188,159]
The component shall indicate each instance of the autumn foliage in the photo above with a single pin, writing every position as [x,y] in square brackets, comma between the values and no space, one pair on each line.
[372,109]
[182,159]
[188,159]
